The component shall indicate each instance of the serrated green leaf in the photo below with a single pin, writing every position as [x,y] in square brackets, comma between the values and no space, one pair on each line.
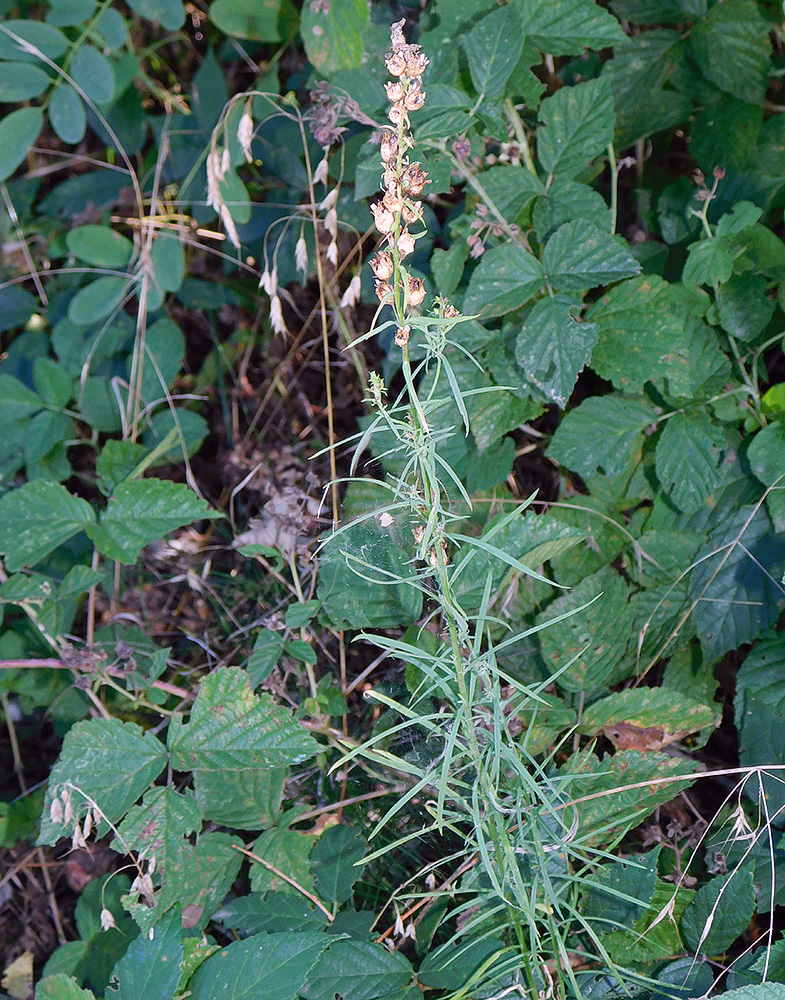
[163,814]
[506,277]
[689,453]
[639,71]
[142,511]
[100,245]
[267,651]
[262,967]
[553,346]
[21,81]
[509,189]
[36,518]
[357,970]
[231,728]
[245,800]
[46,430]
[528,539]
[109,761]
[736,581]
[197,877]
[596,637]
[333,35]
[97,300]
[577,126]
[18,132]
[719,913]
[62,987]
[709,262]
[759,991]
[334,856]
[288,852]
[744,307]
[493,48]
[657,11]
[93,74]
[732,49]
[647,334]
[358,572]
[150,969]
[564,27]
[670,712]
[599,436]
[605,818]
[116,462]
[743,215]
[272,913]
[622,892]
[580,256]
[759,704]
[654,936]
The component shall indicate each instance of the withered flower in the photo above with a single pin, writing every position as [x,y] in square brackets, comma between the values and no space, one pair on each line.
[405,243]
[414,179]
[382,266]
[383,218]
[416,291]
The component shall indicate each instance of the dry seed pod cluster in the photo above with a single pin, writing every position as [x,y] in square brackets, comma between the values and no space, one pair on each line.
[403,182]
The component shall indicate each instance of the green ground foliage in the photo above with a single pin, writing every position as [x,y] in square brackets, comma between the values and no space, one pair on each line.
[403,627]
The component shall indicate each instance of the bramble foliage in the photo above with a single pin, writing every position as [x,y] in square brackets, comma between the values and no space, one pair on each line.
[580,258]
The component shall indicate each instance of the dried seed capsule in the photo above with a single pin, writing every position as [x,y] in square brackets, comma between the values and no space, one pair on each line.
[415,62]
[402,336]
[414,179]
[414,100]
[383,290]
[383,218]
[395,63]
[405,243]
[395,91]
[416,291]
[382,266]
[397,113]
[389,146]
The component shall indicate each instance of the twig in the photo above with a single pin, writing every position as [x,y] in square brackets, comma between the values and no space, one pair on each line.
[291,881]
